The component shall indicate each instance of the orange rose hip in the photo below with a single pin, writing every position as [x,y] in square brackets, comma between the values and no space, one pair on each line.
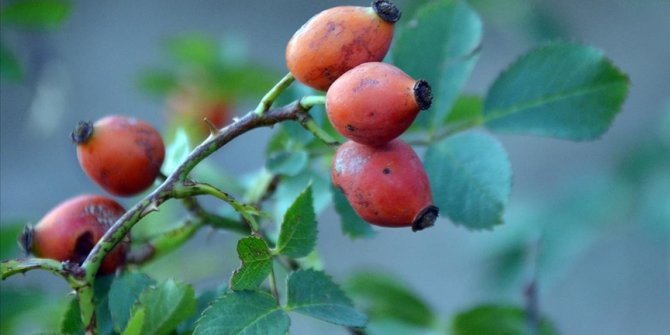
[121,154]
[374,103]
[386,185]
[70,230]
[338,39]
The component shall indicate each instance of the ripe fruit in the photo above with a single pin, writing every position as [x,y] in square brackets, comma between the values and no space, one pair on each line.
[70,230]
[385,185]
[374,103]
[122,154]
[338,39]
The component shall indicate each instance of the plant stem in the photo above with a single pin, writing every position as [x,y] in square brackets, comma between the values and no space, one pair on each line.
[312,100]
[273,284]
[273,93]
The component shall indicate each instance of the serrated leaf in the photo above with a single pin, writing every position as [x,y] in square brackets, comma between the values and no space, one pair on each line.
[471,179]
[298,230]
[256,264]
[10,68]
[71,321]
[287,163]
[123,294]
[243,313]
[563,90]
[313,293]
[387,298]
[40,14]
[497,320]
[291,187]
[162,308]
[352,224]
[441,45]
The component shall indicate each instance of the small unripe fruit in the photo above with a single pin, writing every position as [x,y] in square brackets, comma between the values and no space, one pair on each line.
[374,103]
[70,230]
[337,39]
[121,154]
[385,185]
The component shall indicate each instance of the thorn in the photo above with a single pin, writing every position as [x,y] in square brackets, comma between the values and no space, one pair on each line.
[152,207]
[213,130]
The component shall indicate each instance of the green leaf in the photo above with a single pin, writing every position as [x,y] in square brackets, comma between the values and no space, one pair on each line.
[157,81]
[497,320]
[194,49]
[71,321]
[352,224]
[123,294]
[243,313]
[291,187]
[562,90]
[40,14]
[467,112]
[387,298]
[441,45]
[256,264]
[162,308]
[287,163]
[204,300]
[471,178]
[10,68]
[298,230]
[313,293]
[9,232]
[176,152]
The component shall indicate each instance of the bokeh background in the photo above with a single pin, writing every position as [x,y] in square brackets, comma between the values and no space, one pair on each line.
[599,208]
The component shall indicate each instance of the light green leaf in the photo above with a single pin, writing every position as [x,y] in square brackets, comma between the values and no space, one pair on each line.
[162,308]
[298,230]
[440,44]
[352,224]
[177,151]
[497,320]
[40,14]
[313,293]
[562,90]
[10,68]
[471,179]
[123,294]
[243,313]
[388,298]
[256,264]
[287,163]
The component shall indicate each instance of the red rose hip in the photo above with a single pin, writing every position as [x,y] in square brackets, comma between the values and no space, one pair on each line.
[386,185]
[70,230]
[338,39]
[374,102]
[121,154]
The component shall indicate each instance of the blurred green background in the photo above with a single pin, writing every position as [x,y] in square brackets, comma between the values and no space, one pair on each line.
[597,214]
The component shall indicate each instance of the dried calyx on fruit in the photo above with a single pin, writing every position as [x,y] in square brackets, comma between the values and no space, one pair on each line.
[121,154]
[338,39]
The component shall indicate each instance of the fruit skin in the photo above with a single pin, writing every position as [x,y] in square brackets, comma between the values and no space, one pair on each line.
[336,40]
[386,185]
[374,103]
[70,230]
[121,154]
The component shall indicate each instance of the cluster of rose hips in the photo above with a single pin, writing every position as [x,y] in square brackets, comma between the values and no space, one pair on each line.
[371,103]
[124,156]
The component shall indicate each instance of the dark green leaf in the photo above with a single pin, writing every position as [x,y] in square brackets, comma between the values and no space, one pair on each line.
[287,162]
[352,224]
[313,293]
[243,313]
[441,45]
[497,320]
[256,264]
[157,81]
[298,230]
[123,294]
[162,308]
[41,14]
[387,298]
[10,68]
[563,90]
[101,290]
[71,322]
[204,300]
[471,179]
